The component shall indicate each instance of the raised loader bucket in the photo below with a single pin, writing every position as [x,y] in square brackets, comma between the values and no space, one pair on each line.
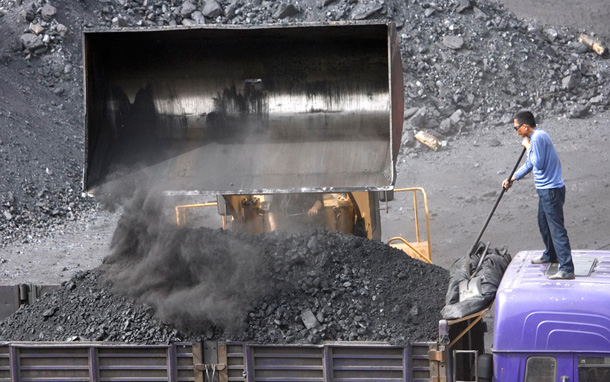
[238,110]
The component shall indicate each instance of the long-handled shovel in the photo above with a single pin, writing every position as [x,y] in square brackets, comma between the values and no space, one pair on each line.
[472,286]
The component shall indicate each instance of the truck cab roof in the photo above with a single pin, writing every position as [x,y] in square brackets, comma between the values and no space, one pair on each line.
[534,313]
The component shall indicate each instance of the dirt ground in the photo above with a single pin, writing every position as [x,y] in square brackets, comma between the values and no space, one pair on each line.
[462,182]
[590,15]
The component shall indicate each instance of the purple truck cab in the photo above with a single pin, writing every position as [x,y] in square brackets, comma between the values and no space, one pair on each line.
[553,331]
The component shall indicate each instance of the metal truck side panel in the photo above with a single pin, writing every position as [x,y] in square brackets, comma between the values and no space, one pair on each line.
[5,363]
[73,361]
[245,110]
[330,362]
[232,361]
[536,314]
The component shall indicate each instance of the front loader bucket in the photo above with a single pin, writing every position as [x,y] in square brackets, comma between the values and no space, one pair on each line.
[237,110]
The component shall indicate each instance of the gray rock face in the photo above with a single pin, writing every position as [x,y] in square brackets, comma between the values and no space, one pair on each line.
[7,215]
[309,320]
[119,22]
[419,119]
[324,3]
[446,126]
[48,12]
[187,8]
[463,5]
[286,10]
[36,29]
[62,30]
[479,14]
[198,17]
[453,42]
[365,11]
[570,82]
[32,42]
[27,15]
[212,9]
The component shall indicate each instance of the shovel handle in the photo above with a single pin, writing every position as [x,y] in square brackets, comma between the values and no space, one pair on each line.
[476,242]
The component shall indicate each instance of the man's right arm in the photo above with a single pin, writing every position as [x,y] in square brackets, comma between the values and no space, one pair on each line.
[525,169]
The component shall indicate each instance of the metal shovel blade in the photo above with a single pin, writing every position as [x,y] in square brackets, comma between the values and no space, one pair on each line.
[252,110]
[470,288]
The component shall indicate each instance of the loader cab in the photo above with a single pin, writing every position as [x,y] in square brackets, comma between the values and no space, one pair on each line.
[550,331]
[360,213]
[351,213]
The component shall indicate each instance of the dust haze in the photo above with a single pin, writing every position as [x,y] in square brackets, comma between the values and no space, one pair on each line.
[193,277]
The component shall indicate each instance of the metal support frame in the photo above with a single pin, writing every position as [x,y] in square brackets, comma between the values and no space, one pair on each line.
[427,257]
[476,356]
[210,361]
[437,358]
[478,316]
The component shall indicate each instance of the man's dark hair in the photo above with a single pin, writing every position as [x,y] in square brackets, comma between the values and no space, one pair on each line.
[525,117]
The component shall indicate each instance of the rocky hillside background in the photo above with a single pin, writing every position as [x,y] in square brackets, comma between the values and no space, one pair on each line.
[468,64]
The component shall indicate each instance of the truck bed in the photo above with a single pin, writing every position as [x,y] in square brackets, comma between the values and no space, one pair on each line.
[228,361]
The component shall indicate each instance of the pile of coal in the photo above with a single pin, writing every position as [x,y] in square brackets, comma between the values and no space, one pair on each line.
[193,284]
[85,308]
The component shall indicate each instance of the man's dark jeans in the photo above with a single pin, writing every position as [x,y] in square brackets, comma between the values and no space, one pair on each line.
[550,222]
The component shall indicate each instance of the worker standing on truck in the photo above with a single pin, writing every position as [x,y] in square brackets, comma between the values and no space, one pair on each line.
[296,212]
[543,160]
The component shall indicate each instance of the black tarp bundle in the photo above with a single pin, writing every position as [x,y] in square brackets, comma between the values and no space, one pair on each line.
[491,271]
